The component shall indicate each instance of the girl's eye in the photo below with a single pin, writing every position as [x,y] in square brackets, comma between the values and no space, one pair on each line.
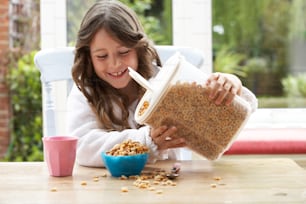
[101,56]
[124,52]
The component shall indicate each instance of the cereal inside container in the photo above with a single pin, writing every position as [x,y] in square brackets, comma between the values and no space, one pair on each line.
[179,97]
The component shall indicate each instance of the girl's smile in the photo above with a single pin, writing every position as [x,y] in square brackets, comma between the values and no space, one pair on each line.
[118,74]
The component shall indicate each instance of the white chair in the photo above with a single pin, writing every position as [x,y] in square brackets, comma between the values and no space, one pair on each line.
[55,66]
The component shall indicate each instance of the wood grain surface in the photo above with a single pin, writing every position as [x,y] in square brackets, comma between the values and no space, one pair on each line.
[247,180]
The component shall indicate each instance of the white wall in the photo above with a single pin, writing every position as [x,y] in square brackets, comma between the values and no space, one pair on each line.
[54,34]
[53,23]
[192,27]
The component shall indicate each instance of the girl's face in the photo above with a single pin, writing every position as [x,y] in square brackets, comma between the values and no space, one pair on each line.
[112,59]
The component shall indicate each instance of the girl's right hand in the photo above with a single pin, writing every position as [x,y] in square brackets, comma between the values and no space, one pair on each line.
[166,138]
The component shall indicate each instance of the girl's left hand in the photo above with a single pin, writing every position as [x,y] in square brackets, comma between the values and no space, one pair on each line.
[223,87]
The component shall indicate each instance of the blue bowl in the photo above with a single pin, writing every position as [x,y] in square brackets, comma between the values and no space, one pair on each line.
[125,165]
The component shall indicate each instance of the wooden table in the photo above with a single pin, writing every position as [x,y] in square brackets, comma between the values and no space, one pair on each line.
[248,180]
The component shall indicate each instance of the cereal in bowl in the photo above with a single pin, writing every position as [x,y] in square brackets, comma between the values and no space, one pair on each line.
[128,148]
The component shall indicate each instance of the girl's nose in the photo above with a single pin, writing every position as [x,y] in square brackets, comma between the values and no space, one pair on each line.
[115,62]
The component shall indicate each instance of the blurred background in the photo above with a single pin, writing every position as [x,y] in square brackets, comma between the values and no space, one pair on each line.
[261,41]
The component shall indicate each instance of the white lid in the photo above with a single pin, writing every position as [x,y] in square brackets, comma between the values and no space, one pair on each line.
[160,85]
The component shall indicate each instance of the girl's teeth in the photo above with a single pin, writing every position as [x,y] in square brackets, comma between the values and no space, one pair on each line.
[117,74]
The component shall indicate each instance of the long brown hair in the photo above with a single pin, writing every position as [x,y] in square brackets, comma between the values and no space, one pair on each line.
[120,21]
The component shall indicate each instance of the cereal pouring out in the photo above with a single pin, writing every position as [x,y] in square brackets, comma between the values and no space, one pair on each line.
[126,159]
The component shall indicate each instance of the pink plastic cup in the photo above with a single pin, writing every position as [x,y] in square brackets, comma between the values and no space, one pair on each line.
[60,153]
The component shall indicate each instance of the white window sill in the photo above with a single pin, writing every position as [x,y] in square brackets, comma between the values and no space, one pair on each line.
[278,118]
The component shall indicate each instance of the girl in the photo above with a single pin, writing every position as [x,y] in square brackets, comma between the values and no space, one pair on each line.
[102,104]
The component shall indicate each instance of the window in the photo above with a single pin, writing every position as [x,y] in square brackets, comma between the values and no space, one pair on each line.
[283,52]
[156,23]
[264,44]
[23,20]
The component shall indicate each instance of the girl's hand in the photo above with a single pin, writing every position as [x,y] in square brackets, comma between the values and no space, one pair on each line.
[223,87]
[164,138]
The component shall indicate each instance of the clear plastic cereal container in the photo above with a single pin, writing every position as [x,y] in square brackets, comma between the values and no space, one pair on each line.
[177,96]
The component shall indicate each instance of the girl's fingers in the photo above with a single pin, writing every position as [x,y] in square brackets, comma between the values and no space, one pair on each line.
[158,132]
[223,88]
[172,143]
[229,98]
[166,138]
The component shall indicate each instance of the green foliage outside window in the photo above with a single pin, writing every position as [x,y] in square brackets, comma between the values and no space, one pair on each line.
[26,102]
[295,85]
[155,16]
[263,42]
